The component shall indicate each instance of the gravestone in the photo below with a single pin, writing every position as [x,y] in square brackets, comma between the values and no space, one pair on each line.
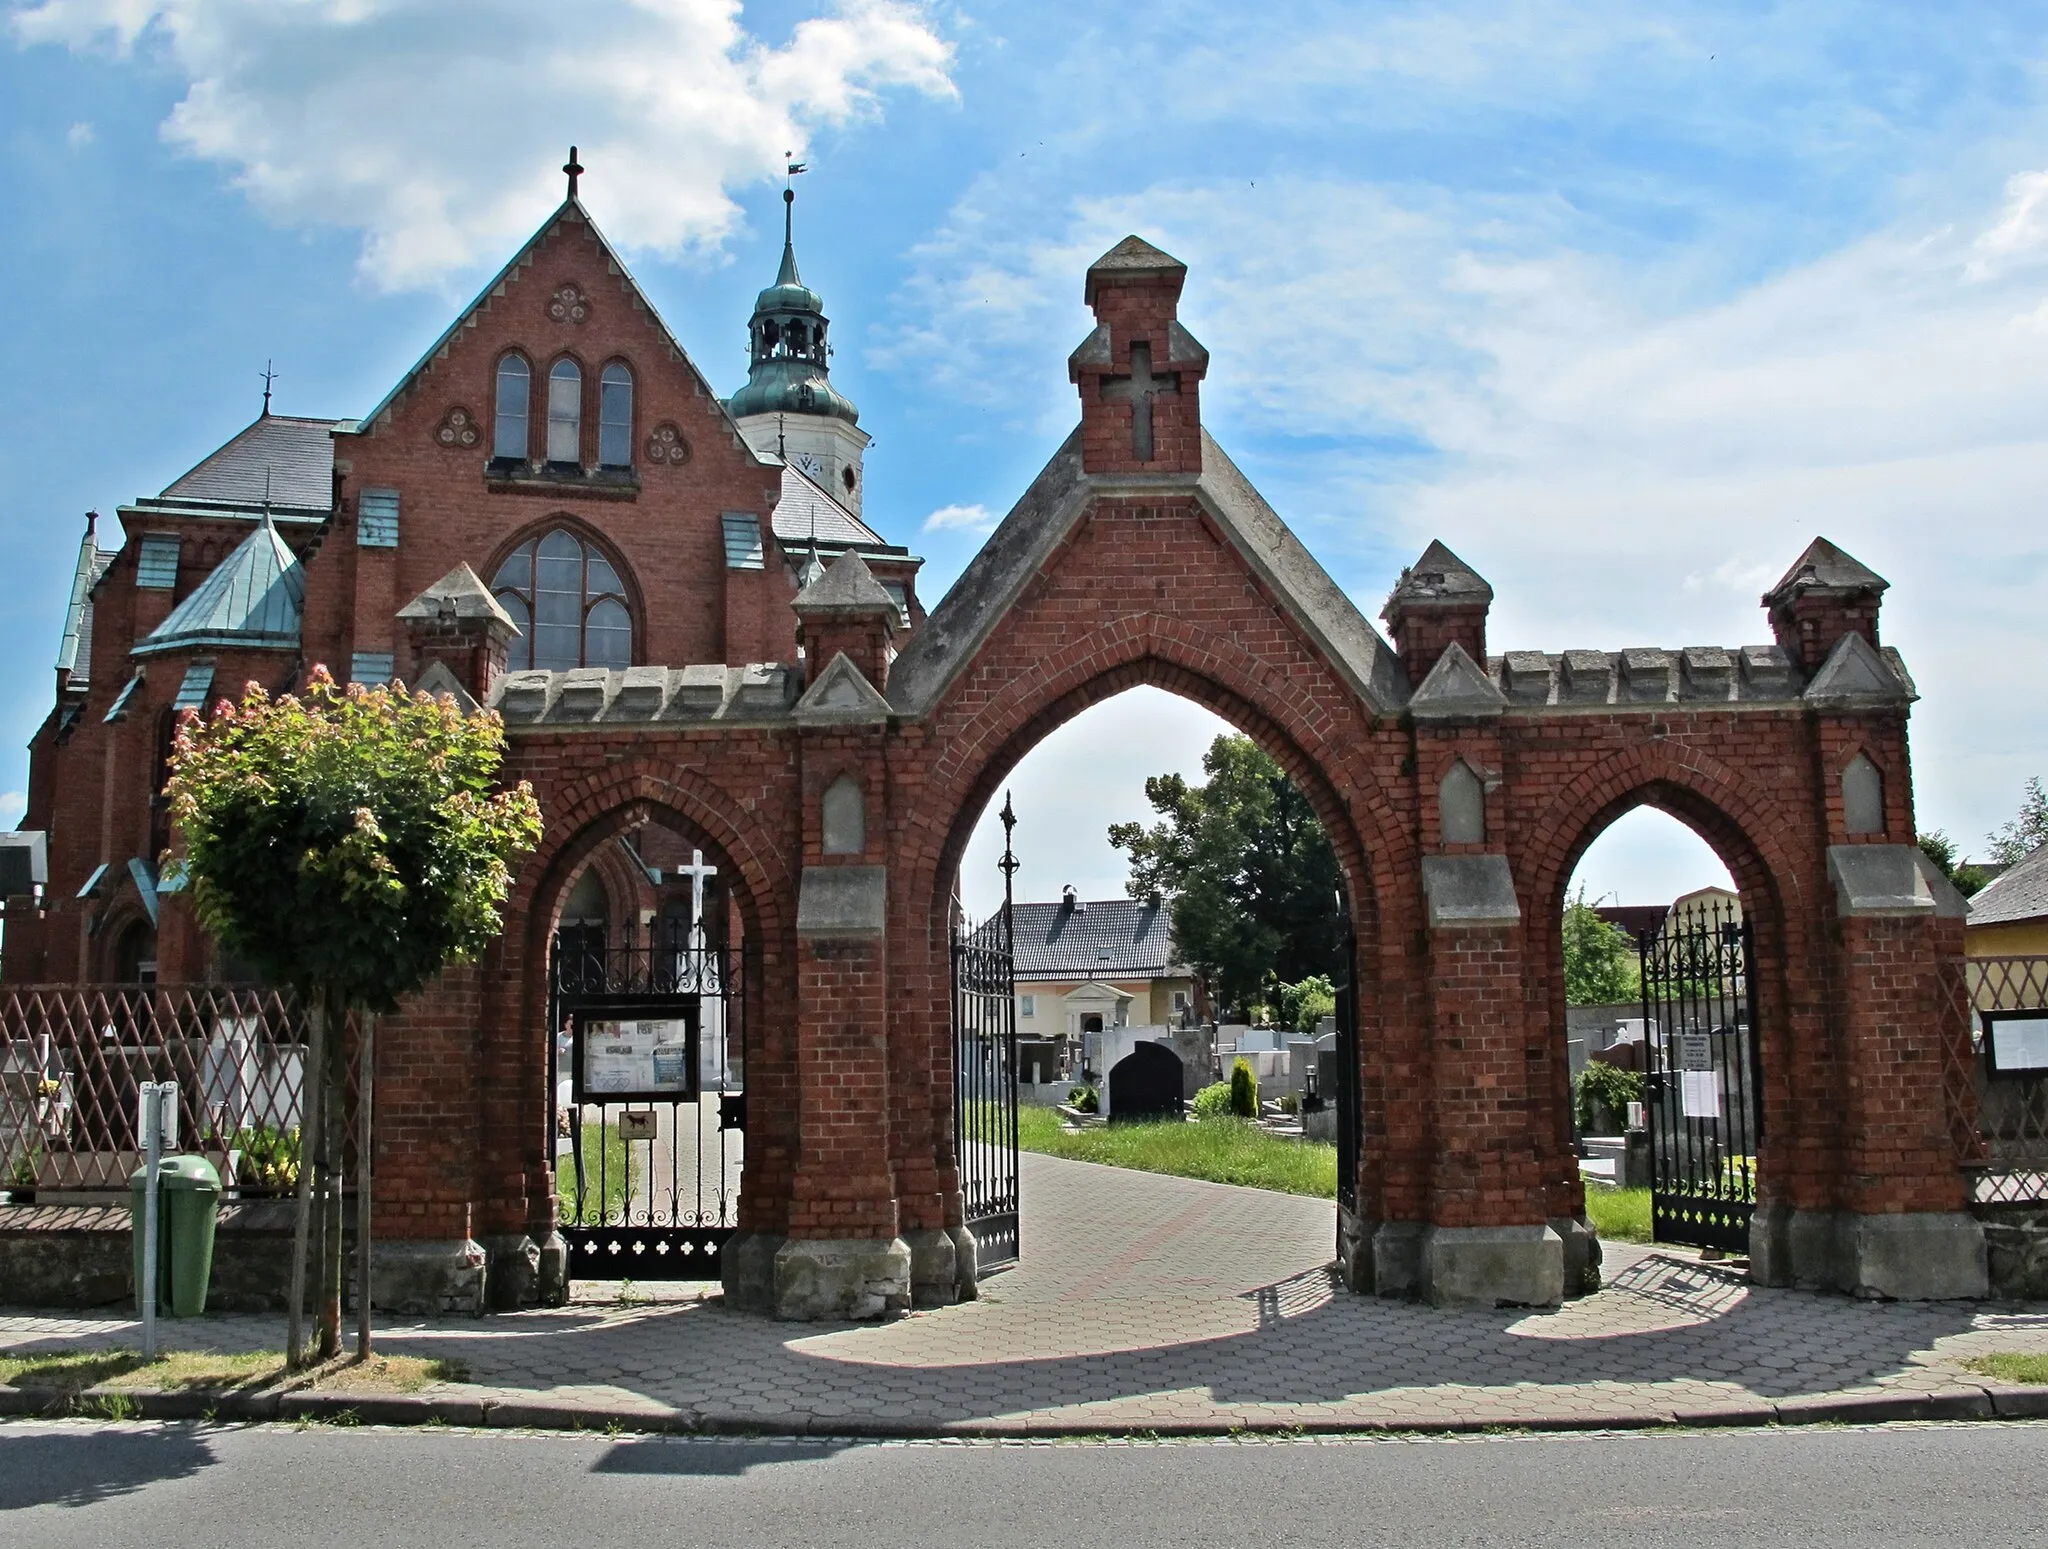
[1038,1063]
[1146,1084]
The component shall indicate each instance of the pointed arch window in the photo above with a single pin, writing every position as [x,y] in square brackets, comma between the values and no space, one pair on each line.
[565,413]
[615,416]
[569,604]
[508,426]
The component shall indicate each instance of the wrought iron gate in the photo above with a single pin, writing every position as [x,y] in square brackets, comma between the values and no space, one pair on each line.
[985,1073]
[649,1076]
[1701,1077]
[1346,1096]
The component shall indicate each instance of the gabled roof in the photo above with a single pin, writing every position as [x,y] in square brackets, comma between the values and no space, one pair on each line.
[282,460]
[807,512]
[252,599]
[1438,577]
[1129,259]
[2018,893]
[572,212]
[1825,567]
[845,587]
[1115,938]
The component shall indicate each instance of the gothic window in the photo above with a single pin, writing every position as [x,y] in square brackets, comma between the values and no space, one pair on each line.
[1461,806]
[615,417]
[508,431]
[565,413]
[1862,797]
[568,602]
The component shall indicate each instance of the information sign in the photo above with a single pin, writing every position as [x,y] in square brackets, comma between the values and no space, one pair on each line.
[629,1053]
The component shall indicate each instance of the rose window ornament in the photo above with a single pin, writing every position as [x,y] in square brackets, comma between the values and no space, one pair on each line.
[568,305]
[458,428]
[665,444]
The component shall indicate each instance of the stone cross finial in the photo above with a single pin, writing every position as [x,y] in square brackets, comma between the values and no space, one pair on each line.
[1138,390]
[575,170]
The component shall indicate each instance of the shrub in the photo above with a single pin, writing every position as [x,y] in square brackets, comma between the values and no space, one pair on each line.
[1213,1102]
[1244,1090]
[1608,1086]
[1304,1005]
[1084,1099]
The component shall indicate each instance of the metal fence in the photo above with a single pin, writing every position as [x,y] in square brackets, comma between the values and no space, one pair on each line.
[72,1057]
[1998,1120]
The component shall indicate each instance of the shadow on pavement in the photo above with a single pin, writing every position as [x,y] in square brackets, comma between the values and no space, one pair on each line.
[81,1468]
[708,1458]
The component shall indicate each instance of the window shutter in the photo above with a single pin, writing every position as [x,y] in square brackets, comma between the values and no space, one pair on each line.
[377,519]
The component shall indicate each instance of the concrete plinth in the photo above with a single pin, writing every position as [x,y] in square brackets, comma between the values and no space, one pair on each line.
[1492,1266]
[966,1264]
[1396,1259]
[427,1277]
[1581,1254]
[511,1272]
[860,1277]
[934,1268]
[1921,1257]
[553,1287]
[746,1269]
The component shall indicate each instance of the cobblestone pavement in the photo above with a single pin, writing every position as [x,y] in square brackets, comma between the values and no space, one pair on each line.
[1153,1302]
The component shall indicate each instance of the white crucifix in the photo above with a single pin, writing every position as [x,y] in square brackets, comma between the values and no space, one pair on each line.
[698,873]
[1138,390]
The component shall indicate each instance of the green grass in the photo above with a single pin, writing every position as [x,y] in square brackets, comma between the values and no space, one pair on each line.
[1218,1150]
[2012,1366]
[607,1189]
[1618,1215]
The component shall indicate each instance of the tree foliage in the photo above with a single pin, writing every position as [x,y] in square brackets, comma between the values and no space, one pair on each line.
[1305,1004]
[348,842]
[1941,849]
[1600,962]
[1246,870]
[2026,831]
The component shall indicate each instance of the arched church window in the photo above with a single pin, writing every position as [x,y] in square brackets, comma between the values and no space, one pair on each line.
[565,413]
[568,602]
[508,428]
[615,417]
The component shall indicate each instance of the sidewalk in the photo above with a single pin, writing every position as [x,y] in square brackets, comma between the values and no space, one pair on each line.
[1147,1303]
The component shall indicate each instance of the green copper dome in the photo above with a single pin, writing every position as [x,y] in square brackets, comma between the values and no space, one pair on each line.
[790,371]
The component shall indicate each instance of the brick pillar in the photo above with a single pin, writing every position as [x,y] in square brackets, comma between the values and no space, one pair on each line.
[456,625]
[845,611]
[1439,600]
[1140,372]
[1824,596]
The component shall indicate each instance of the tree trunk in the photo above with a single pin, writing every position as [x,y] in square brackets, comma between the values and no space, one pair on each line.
[333,1131]
[365,1087]
[311,1072]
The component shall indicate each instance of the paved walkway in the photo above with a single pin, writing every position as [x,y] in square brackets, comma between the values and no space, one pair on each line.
[1146,1302]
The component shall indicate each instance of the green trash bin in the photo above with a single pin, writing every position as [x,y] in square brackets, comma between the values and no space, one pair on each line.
[188,1207]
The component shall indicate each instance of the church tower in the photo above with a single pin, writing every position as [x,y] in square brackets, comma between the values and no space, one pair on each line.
[789,406]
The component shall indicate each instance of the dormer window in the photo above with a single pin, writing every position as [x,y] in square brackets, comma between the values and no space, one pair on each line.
[508,428]
[565,413]
[615,417]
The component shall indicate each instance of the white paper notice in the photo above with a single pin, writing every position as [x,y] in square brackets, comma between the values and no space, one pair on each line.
[635,1057]
[1699,1094]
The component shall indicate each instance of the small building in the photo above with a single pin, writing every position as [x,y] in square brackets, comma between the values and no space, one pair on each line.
[2009,916]
[1083,966]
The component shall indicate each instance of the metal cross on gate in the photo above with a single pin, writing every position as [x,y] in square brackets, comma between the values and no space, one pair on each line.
[1138,390]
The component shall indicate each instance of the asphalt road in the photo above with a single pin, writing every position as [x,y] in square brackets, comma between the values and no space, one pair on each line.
[174,1486]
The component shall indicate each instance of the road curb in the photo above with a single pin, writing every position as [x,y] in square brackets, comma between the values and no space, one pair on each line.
[1960,1402]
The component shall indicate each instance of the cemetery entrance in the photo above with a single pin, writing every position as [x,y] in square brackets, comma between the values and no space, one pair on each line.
[650,1096]
[1701,1077]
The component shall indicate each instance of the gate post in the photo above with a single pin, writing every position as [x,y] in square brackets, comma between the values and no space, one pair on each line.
[1900,1227]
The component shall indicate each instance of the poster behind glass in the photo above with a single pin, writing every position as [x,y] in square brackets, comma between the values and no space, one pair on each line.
[629,1053]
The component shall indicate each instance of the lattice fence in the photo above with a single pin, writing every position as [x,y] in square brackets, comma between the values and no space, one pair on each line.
[72,1056]
[1999,1123]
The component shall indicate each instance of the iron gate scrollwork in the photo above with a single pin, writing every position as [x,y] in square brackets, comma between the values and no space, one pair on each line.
[1701,1077]
[985,1073]
[1347,1092]
[648,1060]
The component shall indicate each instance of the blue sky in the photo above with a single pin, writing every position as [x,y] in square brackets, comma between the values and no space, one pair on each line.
[1623,301]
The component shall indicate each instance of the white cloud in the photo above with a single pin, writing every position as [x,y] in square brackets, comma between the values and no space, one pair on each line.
[79,135]
[978,519]
[436,129]
[12,805]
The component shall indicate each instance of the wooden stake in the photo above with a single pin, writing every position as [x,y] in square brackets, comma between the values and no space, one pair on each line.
[365,1086]
[311,1075]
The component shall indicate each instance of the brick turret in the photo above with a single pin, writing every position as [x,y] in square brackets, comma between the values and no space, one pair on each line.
[459,624]
[1438,599]
[845,609]
[1139,371]
[1824,596]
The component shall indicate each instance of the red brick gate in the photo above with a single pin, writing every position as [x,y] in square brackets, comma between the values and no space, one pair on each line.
[1460,789]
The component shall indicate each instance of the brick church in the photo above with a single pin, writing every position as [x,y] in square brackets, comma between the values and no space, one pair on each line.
[556,457]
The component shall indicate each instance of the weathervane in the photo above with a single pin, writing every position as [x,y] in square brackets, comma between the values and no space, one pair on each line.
[269,376]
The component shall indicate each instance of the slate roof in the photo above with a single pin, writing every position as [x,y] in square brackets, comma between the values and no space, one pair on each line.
[252,598]
[2018,893]
[74,650]
[807,510]
[297,456]
[1113,938]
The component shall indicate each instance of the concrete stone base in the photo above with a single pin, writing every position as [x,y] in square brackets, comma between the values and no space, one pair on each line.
[2016,1248]
[1396,1259]
[1931,1256]
[511,1272]
[1581,1254]
[553,1288]
[1354,1262]
[966,1264]
[934,1268]
[746,1269]
[427,1277]
[851,1278]
[1492,1266]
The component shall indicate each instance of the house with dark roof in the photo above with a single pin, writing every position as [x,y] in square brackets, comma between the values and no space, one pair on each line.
[2009,915]
[1086,965]
[555,460]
